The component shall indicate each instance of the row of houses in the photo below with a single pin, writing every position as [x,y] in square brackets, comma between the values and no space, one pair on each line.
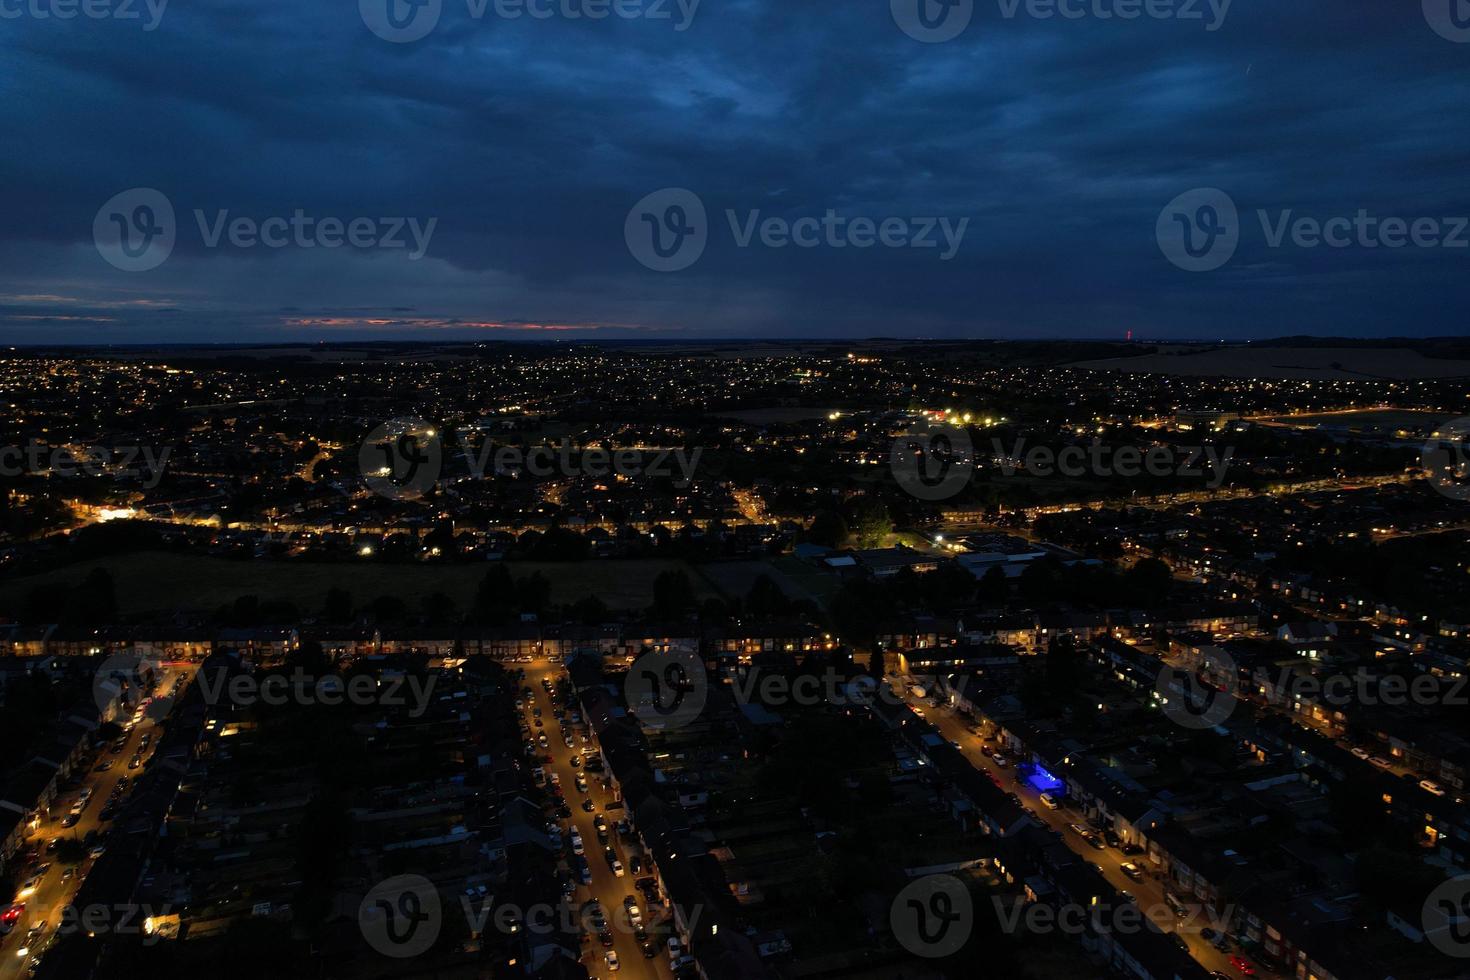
[689,878]
[1264,905]
[55,755]
[1033,631]
[1032,857]
[527,638]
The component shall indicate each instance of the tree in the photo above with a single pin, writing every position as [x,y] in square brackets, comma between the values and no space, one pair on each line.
[765,599]
[673,595]
[589,609]
[828,529]
[994,587]
[1150,580]
[871,523]
[495,598]
[338,606]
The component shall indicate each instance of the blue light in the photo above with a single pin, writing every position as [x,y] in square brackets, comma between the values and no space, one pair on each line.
[1043,781]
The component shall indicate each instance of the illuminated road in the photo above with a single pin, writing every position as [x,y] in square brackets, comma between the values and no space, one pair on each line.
[606,887]
[1148,892]
[53,893]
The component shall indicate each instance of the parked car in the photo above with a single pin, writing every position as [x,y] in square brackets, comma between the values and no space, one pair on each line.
[1430,786]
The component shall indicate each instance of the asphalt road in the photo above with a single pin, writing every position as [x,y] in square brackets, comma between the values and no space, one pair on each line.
[54,892]
[607,888]
[1148,892]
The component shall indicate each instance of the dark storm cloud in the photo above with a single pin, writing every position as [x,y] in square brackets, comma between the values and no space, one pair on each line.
[1059,140]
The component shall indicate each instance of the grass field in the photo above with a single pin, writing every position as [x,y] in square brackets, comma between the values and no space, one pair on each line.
[163,582]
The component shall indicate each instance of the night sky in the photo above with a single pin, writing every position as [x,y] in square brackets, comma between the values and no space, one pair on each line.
[1055,144]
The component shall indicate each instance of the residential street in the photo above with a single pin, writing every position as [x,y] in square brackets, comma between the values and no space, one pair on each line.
[1148,892]
[609,889]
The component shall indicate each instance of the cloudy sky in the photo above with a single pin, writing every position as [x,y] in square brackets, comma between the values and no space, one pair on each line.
[847,168]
